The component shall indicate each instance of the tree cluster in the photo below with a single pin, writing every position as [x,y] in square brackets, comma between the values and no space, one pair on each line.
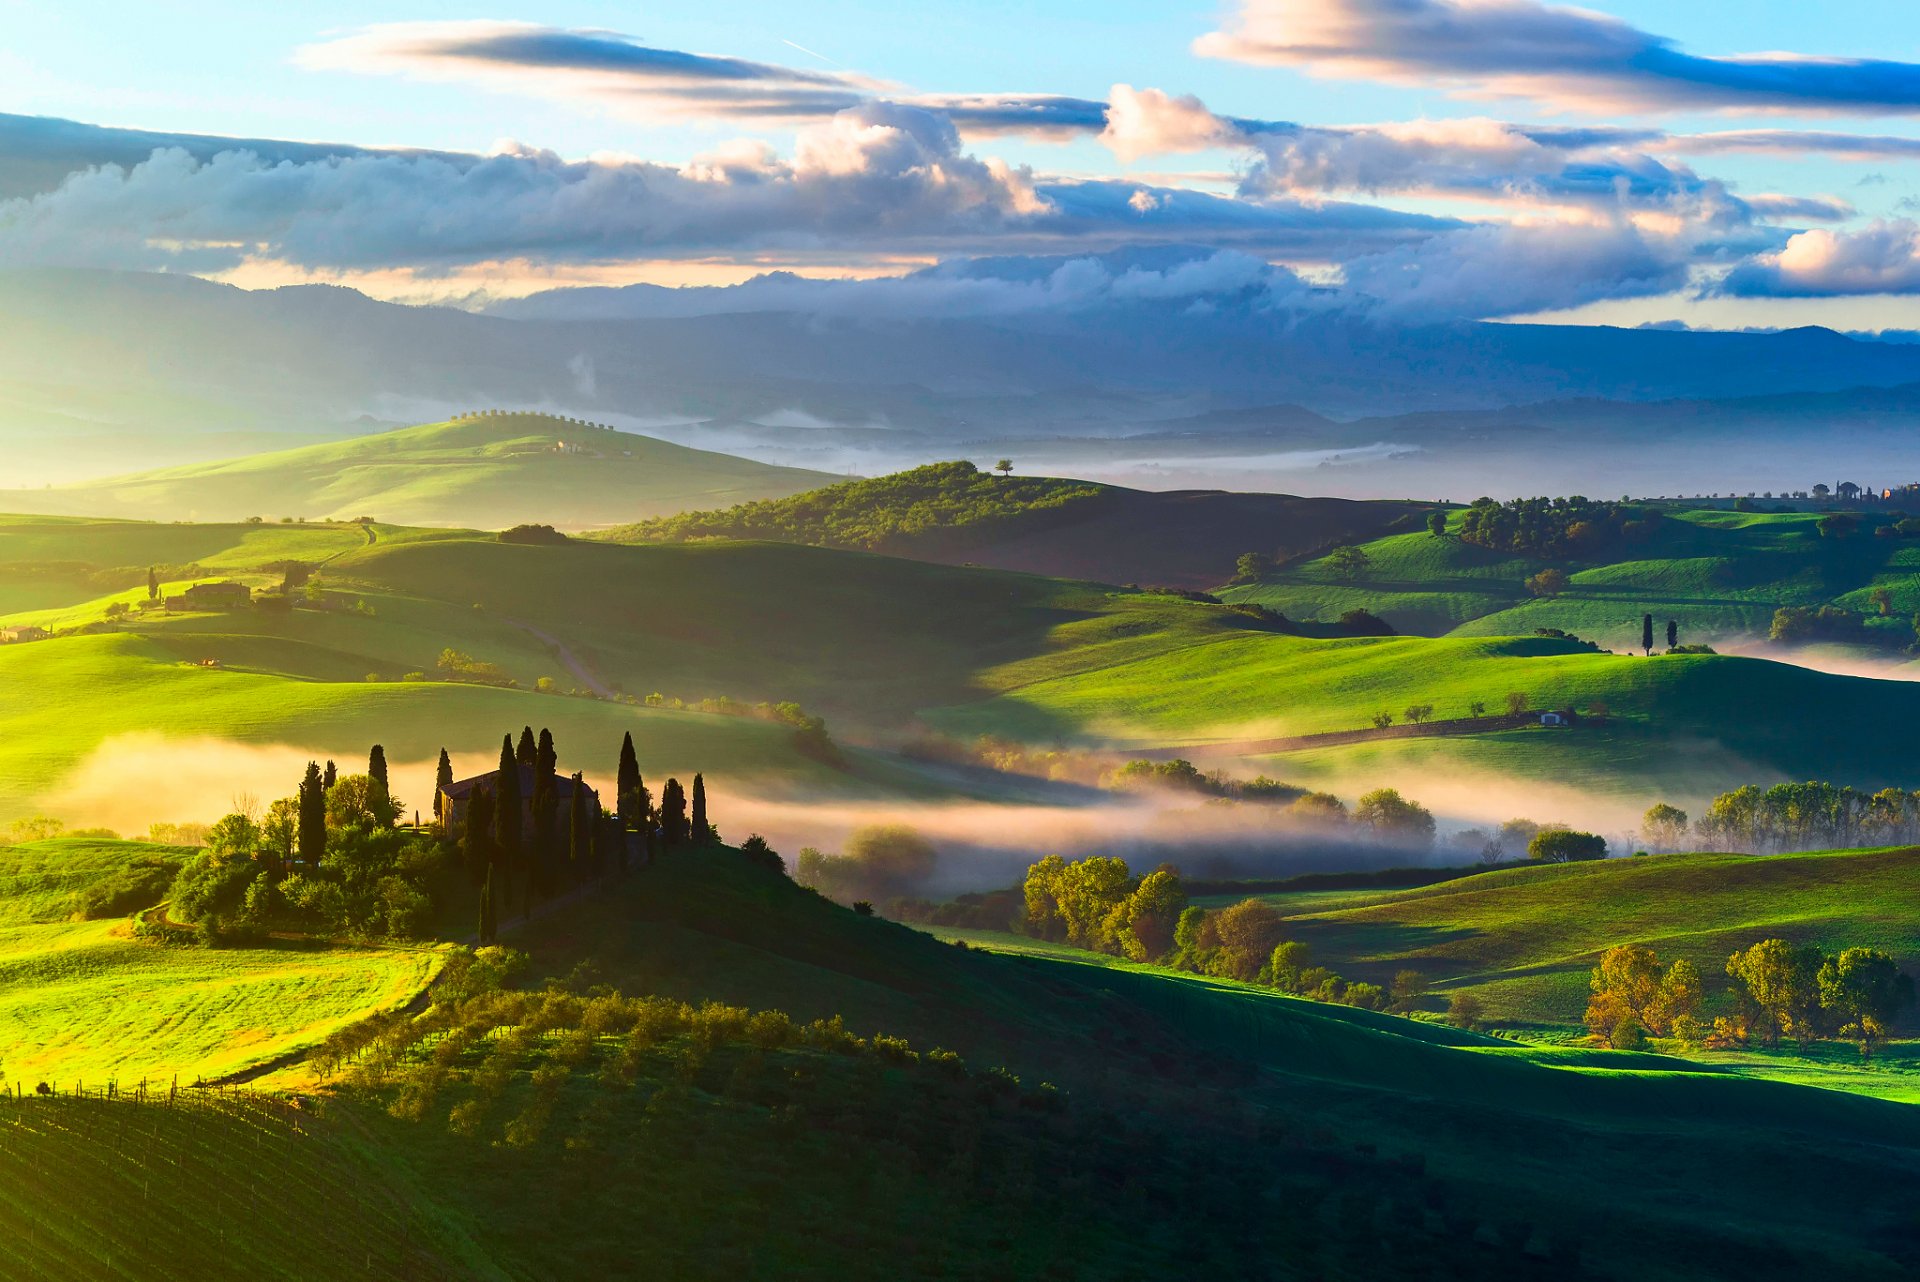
[1553,527]
[1789,817]
[939,505]
[1800,992]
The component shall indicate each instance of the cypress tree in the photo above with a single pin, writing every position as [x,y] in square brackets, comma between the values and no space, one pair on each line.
[331,777]
[580,834]
[477,845]
[382,797]
[313,817]
[545,858]
[528,752]
[442,781]
[699,831]
[1673,633]
[1646,633]
[673,814]
[153,584]
[507,817]
[626,783]
[545,760]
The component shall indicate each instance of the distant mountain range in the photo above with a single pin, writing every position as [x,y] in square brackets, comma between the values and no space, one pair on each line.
[105,372]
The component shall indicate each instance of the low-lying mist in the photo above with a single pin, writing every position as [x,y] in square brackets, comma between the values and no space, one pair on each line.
[136,780]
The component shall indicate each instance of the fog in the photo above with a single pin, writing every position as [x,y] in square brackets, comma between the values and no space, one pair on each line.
[132,781]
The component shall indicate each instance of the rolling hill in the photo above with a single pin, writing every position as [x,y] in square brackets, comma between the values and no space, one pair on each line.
[1718,573]
[883,647]
[1095,1122]
[486,472]
[953,513]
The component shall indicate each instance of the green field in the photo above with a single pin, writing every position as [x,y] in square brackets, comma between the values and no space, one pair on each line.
[879,645]
[490,472]
[1719,574]
[85,1001]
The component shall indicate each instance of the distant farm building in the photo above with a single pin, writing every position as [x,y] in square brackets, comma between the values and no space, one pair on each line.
[450,803]
[1557,720]
[25,632]
[212,596]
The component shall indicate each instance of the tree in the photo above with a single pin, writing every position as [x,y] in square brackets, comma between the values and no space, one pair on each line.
[1778,984]
[1866,991]
[1464,1010]
[1004,467]
[1646,633]
[1550,582]
[153,584]
[700,830]
[1252,566]
[1409,986]
[489,921]
[313,817]
[1632,995]
[507,820]
[528,752]
[580,833]
[1349,563]
[627,785]
[1437,524]
[1883,601]
[1418,713]
[1664,827]
[673,815]
[1564,846]
[1673,633]
[442,783]
[1382,719]
[1517,701]
[1477,709]
[1395,819]
[380,800]
[1248,932]
[330,776]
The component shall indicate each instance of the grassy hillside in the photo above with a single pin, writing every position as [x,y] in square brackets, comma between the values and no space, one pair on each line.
[488,472]
[879,645]
[82,1000]
[1718,573]
[1526,938]
[953,513]
[1185,1124]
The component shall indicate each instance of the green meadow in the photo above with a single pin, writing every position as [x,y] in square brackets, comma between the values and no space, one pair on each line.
[84,1001]
[878,645]
[1719,574]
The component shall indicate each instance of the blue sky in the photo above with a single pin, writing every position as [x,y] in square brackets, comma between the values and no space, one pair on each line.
[1717,215]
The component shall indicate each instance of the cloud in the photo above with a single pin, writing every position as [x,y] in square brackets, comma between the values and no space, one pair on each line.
[1549,53]
[878,178]
[1507,270]
[636,79]
[1880,258]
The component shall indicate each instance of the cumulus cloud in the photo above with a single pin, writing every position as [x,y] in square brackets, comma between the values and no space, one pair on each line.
[1880,258]
[1549,53]
[1502,269]
[875,178]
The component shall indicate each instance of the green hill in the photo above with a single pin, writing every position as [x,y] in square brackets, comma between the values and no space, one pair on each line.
[1526,938]
[881,646]
[487,472]
[1717,573]
[953,513]
[1184,1124]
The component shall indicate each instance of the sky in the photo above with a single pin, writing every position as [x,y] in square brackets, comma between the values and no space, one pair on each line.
[1718,163]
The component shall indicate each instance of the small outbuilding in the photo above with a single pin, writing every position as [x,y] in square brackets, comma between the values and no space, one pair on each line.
[25,632]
